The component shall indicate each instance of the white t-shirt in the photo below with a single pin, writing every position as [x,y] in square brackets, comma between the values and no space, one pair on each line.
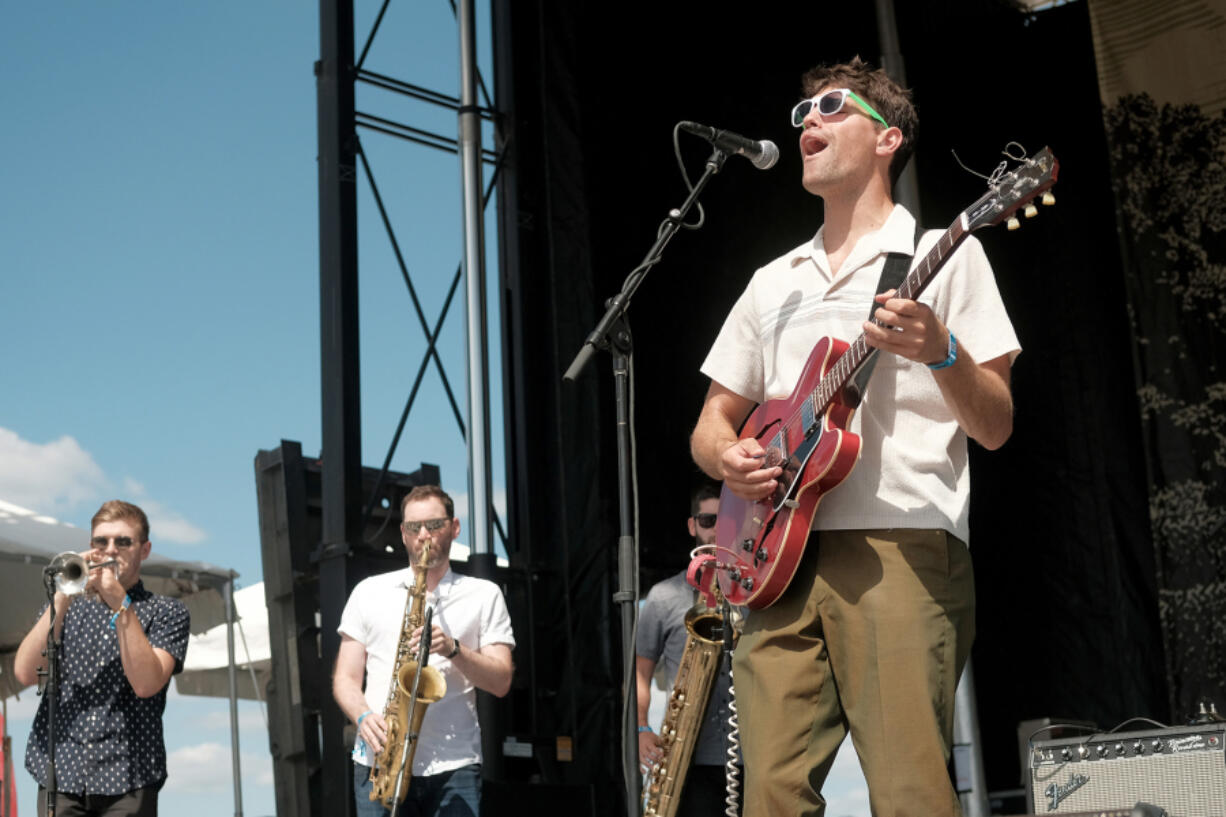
[913,470]
[467,608]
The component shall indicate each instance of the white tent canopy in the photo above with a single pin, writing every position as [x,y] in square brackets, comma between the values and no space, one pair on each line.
[206,670]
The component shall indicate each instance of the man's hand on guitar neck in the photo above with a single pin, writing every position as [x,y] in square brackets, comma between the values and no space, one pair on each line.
[977,393]
[908,329]
[716,449]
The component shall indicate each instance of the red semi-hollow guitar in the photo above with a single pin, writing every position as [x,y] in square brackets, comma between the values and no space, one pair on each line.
[759,543]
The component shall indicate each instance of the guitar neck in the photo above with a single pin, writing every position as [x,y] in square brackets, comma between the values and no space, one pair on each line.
[912,286]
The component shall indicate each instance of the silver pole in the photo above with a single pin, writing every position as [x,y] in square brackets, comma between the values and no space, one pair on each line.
[480,532]
[969,754]
[236,764]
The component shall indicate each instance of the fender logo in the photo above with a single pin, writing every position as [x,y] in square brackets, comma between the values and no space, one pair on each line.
[1056,794]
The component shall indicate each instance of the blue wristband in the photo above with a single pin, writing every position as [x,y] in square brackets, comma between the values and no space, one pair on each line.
[127,602]
[645,729]
[949,358]
[363,715]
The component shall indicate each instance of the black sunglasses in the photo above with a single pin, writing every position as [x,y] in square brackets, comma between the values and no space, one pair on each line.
[121,542]
[432,525]
[705,520]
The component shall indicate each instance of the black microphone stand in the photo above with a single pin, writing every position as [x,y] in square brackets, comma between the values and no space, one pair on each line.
[51,689]
[613,331]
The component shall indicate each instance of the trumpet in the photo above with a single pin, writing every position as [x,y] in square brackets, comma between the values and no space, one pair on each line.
[71,572]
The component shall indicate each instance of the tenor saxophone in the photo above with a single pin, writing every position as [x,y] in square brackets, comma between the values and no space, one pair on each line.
[687,704]
[396,712]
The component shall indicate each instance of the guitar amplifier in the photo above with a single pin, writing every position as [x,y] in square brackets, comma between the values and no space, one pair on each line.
[1181,770]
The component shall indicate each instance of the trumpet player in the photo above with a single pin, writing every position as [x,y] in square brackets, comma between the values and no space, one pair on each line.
[471,643]
[120,645]
[661,640]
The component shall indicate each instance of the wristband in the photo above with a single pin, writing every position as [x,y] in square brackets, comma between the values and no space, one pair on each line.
[949,358]
[455,648]
[363,715]
[127,602]
[643,729]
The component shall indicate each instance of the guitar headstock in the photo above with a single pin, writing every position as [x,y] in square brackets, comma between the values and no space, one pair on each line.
[1013,190]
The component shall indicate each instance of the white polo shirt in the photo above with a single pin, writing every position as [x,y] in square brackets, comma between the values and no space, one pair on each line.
[913,470]
[467,608]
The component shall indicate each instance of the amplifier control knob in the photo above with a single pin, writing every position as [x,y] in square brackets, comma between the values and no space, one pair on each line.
[1157,745]
[1119,748]
[1102,750]
[1139,747]
[1066,754]
[1083,752]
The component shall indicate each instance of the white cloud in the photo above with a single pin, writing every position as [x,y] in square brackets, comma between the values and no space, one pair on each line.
[164,524]
[206,768]
[845,791]
[61,476]
[52,477]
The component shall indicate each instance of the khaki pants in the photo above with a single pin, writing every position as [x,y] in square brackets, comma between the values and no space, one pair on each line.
[870,636]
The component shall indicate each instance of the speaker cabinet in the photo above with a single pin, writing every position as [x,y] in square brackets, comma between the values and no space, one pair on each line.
[1181,770]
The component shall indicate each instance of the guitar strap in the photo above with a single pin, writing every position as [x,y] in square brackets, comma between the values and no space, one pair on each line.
[892,274]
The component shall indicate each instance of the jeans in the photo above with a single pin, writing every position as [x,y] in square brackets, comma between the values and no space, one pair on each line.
[456,793]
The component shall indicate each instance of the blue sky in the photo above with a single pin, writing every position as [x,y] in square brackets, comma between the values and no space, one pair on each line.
[160,321]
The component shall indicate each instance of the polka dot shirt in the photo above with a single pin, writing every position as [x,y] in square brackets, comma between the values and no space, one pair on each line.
[109,740]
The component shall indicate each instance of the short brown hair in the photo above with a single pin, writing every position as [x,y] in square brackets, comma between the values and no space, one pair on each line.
[705,491]
[421,492]
[886,96]
[116,510]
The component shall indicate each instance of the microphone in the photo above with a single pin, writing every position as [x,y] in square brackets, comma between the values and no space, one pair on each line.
[762,154]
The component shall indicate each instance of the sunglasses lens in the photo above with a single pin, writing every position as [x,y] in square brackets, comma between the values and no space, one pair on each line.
[830,102]
[705,520]
[800,112]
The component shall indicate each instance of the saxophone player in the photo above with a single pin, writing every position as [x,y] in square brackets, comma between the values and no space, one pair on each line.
[662,637]
[471,645]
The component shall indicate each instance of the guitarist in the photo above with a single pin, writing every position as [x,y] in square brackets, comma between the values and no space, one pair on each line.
[875,627]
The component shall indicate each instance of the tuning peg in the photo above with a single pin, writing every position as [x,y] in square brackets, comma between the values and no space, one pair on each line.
[1049,199]
[1013,223]
[1031,211]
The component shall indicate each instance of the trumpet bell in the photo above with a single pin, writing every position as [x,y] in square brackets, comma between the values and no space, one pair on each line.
[72,572]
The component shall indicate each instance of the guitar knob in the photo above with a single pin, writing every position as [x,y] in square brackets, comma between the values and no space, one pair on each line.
[1048,199]
[762,555]
[1031,211]
[747,582]
[1013,223]
[746,544]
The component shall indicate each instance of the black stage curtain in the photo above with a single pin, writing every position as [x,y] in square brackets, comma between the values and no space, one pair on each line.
[1067,613]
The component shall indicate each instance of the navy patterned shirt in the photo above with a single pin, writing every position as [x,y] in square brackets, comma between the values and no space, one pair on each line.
[109,740]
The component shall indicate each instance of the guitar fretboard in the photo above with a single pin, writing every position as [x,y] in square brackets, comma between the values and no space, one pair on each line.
[917,280]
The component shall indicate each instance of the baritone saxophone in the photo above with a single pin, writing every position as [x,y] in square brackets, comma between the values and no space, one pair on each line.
[687,704]
[402,713]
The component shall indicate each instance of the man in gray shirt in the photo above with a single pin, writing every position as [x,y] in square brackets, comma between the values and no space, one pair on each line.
[661,640]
